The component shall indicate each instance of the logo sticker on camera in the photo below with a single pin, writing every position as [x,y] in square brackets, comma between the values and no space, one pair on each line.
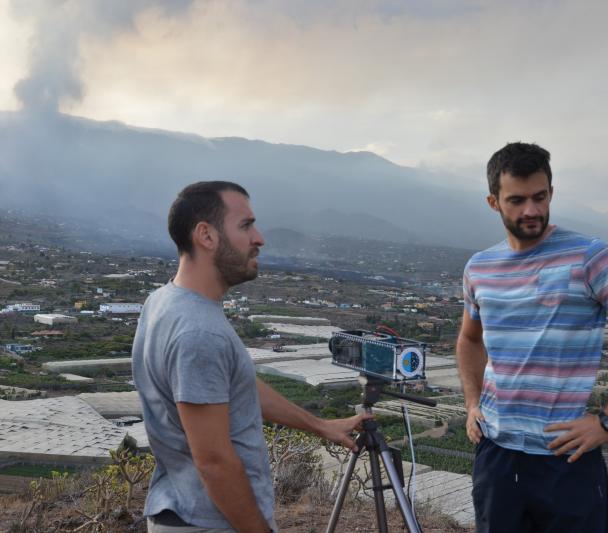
[410,362]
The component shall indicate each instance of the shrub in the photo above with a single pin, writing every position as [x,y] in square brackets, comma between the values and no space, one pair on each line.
[294,461]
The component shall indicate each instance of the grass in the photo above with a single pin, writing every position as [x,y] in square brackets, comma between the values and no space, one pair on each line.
[329,402]
[455,439]
[454,400]
[295,391]
[302,339]
[393,429]
[35,471]
[447,463]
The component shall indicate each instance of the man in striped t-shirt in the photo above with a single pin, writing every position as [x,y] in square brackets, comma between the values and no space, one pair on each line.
[528,353]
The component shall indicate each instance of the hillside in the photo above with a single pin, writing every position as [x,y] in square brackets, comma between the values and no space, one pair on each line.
[123,179]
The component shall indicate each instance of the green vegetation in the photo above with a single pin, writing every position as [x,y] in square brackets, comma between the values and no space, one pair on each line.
[56,382]
[329,402]
[249,329]
[35,471]
[453,400]
[10,363]
[262,309]
[32,381]
[340,400]
[303,339]
[455,439]
[303,394]
[84,349]
[393,429]
[448,463]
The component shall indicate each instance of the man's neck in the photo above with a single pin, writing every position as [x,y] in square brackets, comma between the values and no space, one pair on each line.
[202,279]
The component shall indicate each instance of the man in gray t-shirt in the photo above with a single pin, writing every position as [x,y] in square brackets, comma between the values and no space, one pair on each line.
[186,351]
[203,406]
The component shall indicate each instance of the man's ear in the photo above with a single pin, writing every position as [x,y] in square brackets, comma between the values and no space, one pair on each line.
[205,236]
[493,202]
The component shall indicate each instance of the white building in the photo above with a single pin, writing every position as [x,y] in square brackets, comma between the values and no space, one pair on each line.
[53,319]
[120,308]
[230,304]
[21,308]
[19,348]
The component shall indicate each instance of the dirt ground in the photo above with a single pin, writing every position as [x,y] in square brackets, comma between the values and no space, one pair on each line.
[67,514]
[356,517]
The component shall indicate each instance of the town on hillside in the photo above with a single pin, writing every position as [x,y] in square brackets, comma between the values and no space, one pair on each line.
[67,321]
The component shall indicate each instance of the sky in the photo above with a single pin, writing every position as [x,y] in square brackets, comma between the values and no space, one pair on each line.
[429,83]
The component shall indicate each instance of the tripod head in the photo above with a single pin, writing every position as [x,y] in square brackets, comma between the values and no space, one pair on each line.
[373,388]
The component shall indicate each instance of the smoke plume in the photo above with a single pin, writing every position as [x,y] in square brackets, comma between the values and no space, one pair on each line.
[54,76]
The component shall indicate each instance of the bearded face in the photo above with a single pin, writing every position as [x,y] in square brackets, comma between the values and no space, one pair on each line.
[523,204]
[235,266]
[526,228]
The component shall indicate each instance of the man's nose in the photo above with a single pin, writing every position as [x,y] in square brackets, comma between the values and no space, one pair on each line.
[531,210]
[258,238]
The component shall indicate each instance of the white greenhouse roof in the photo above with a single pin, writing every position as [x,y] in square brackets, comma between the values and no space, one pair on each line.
[313,372]
[54,428]
[323,332]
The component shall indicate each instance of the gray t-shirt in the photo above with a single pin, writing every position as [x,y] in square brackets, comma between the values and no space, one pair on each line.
[185,350]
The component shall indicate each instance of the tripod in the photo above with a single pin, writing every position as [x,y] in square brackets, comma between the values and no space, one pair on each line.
[371,439]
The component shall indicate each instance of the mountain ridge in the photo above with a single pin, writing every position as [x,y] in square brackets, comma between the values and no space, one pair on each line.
[124,178]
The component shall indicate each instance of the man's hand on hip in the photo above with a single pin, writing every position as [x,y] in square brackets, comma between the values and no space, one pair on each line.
[473,430]
[582,434]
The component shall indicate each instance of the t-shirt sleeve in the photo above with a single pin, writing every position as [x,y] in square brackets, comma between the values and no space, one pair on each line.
[596,271]
[199,368]
[468,290]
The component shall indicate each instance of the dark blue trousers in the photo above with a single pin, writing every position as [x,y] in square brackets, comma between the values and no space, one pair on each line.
[515,492]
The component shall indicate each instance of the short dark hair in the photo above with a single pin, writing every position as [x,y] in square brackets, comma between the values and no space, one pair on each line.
[199,202]
[518,159]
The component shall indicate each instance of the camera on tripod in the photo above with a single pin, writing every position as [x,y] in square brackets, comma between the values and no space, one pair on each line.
[378,354]
[381,357]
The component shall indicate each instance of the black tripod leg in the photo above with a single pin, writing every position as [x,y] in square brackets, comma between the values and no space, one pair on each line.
[402,500]
[344,483]
[378,495]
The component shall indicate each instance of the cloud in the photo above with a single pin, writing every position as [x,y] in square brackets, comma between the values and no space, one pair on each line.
[438,83]
[13,63]
[55,61]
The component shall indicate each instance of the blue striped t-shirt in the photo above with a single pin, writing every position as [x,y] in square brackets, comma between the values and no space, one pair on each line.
[543,313]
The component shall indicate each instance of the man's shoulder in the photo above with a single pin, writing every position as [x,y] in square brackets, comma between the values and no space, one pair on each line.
[178,301]
[566,241]
[565,238]
[182,314]
[493,253]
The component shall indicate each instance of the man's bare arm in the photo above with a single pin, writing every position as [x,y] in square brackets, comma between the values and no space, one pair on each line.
[277,408]
[207,428]
[472,359]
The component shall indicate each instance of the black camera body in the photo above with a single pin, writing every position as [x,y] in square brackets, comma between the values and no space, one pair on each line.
[379,355]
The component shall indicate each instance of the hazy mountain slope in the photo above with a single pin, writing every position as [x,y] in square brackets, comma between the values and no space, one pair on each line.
[122,180]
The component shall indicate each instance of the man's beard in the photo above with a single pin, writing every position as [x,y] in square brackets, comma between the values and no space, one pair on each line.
[517,230]
[233,265]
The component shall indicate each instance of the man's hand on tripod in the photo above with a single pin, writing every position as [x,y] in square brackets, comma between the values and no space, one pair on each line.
[276,408]
[340,429]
